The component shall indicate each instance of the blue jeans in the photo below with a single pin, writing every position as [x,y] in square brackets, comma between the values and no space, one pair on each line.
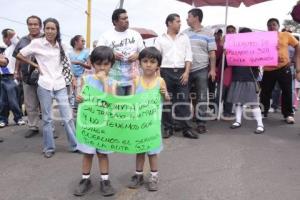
[9,99]
[199,80]
[61,96]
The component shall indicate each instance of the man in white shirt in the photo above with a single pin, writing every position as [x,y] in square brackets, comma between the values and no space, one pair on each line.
[177,57]
[9,88]
[126,44]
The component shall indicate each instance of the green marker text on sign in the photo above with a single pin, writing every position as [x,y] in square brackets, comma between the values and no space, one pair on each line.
[126,124]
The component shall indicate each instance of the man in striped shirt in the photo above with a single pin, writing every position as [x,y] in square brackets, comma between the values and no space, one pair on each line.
[204,63]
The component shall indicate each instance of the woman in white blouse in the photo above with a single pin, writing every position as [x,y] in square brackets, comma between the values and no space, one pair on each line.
[49,53]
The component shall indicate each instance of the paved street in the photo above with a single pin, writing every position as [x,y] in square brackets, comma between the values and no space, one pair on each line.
[223,164]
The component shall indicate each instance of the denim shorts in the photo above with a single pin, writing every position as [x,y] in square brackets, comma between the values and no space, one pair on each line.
[91,150]
[155,151]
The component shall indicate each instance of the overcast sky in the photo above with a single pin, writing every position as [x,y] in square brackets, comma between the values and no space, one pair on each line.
[142,13]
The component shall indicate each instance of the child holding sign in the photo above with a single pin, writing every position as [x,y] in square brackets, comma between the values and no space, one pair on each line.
[243,91]
[102,58]
[150,59]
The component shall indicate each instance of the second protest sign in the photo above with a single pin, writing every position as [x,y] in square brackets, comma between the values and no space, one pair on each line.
[252,49]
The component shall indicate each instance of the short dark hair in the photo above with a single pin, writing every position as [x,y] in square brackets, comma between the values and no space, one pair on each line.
[116,14]
[151,52]
[5,32]
[34,17]
[102,53]
[273,20]
[219,31]
[230,26]
[171,18]
[197,12]
[245,30]
[75,39]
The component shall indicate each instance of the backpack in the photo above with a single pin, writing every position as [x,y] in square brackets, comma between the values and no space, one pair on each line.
[296,12]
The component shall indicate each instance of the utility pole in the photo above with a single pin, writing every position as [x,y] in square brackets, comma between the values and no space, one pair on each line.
[121,3]
[88,23]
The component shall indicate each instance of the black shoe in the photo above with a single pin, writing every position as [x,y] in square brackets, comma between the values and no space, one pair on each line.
[177,128]
[106,189]
[76,151]
[167,133]
[228,114]
[136,181]
[31,133]
[201,129]
[1,139]
[190,134]
[83,187]
[48,154]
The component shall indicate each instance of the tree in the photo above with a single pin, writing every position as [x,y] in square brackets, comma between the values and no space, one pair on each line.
[292,25]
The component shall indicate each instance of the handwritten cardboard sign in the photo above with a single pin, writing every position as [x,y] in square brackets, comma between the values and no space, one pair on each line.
[125,124]
[252,49]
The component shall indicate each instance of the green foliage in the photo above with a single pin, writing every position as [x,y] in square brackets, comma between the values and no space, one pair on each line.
[294,26]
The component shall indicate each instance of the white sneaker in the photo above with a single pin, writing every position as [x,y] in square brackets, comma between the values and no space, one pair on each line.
[290,120]
[272,110]
[21,122]
[2,124]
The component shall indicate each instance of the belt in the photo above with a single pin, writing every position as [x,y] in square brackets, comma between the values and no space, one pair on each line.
[174,69]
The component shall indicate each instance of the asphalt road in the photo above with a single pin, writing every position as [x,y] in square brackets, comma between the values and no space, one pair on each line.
[222,164]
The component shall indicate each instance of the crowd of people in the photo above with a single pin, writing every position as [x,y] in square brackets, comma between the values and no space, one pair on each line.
[184,65]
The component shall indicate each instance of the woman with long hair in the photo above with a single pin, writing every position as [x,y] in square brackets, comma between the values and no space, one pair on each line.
[49,53]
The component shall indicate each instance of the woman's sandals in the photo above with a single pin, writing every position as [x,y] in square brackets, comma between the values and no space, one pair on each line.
[259,130]
[235,125]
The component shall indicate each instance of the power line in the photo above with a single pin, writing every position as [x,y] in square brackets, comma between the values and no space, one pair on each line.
[69,5]
[70,2]
[12,20]
[76,3]
[22,23]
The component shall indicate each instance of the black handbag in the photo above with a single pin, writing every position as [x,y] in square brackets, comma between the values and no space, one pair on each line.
[33,74]
[257,86]
[33,77]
